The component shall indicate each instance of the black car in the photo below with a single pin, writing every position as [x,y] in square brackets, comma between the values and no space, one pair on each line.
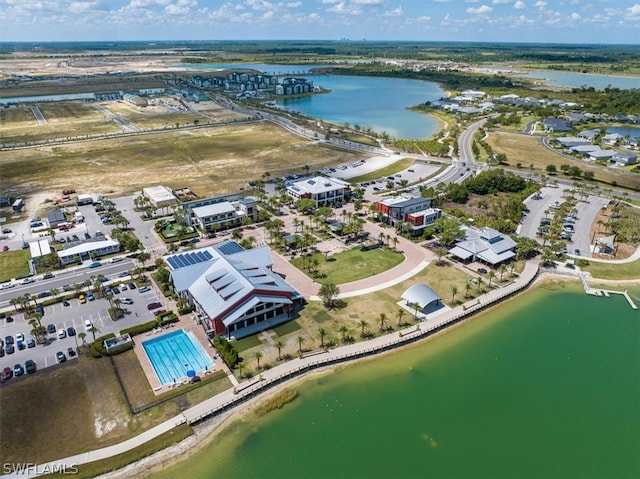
[482,271]
[8,340]
[51,329]
[18,370]
[115,290]
[10,349]
[30,366]
[71,331]
[31,343]
[132,285]
[66,303]
[61,357]
[9,319]
[71,352]
[1,352]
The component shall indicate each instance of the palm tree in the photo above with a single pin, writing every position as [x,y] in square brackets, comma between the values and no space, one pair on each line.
[93,330]
[322,333]
[502,269]
[14,302]
[382,319]
[416,307]
[258,356]
[400,315]
[82,337]
[55,292]
[454,291]
[467,288]
[491,275]
[300,343]
[279,345]
[343,330]
[240,369]
[363,324]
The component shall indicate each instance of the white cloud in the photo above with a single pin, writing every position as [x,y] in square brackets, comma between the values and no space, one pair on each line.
[575,16]
[423,19]
[294,4]
[343,9]
[540,4]
[147,3]
[519,5]
[396,12]
[634,11]
[368,2]
[481,10]
[501,2]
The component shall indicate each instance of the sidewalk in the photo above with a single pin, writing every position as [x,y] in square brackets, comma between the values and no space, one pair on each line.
[231,398]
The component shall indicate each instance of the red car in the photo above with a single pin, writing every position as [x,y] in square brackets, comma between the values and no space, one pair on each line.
[156,305]
[7,373]
[159,312]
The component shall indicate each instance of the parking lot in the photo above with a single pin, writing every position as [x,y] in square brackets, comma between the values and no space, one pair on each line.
[587,211]
[74,315]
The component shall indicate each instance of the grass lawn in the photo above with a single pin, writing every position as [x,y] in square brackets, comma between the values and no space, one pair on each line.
[14,264]
[246,343]
[357,138]
[392,169]
[362,308]
[527,150]
[286,328]
[351,265]
[614,271]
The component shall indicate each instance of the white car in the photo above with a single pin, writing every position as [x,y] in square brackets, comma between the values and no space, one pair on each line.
[62,333]
[19,337]
[6,285]
[126,301]
[28,281]
[88,324]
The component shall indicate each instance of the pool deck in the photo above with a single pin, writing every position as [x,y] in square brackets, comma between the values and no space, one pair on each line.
[186,323]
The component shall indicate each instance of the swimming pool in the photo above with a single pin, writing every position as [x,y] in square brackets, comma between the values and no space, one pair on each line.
[173,354]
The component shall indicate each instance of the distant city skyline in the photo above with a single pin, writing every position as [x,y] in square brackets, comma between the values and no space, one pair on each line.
[534,21]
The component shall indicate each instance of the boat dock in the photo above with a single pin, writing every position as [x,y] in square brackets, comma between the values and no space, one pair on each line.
[605,292]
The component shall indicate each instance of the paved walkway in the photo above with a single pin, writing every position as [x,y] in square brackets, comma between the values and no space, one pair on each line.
[635,256]
[231,398]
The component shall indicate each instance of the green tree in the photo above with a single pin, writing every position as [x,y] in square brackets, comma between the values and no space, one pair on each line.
[300,343]
[343,330]
[382,319]
[363,324]
[322,333]
[329,293]
[454,291]
[400,315]
[279,345]
[257,356]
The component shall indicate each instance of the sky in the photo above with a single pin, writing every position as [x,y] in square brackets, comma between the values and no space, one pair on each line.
[538,21]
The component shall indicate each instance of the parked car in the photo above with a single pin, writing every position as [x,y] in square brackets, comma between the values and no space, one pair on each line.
[18,370]
[88,324]
[62,333]
[126,301]
[30,366]
[31,343]
[576,252]
[144,289]
[19,338]
[71,352]
[115,290]
[482,271]
[7,373]
[159,312]
[61,357]
[71,331]
[9,318]
[9,349]
[90,297]
[82,298]
[51,329]
[132,285]
[154,305]
[8,340]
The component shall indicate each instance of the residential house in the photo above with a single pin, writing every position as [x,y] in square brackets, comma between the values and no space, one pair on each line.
[556,125]
[612,139]
[600,154]
[624,158]
[217,212]
[484,244]
[571,141]
[232,290]
[590,135]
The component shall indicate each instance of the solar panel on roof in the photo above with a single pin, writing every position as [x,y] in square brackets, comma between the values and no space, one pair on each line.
[229,247]
[181,261]
[172,261]
[207,255]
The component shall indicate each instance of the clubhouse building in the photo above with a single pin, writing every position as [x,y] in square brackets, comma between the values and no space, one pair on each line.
[484,244]
[233,291]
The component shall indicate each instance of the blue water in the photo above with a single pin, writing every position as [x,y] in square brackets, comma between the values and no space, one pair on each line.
[374,102]
[371,102]
[173,354]
[577,80]
[632,131]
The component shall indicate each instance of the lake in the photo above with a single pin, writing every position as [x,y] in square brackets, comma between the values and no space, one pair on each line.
[375,102]
[632,131]
[546,385]
[577,80]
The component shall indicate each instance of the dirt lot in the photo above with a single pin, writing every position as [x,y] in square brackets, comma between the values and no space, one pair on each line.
[206,160]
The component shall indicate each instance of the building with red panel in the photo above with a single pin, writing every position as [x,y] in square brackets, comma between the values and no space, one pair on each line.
[414,214]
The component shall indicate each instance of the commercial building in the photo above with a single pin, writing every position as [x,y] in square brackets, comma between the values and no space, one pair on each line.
[219,212]
[234,291]
[56,218]
[84,199]
[413,213]
[160,196]
[322,190]
[88,250]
